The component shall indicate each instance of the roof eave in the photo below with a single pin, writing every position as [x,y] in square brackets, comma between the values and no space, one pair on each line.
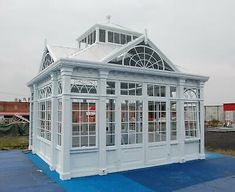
[69,62]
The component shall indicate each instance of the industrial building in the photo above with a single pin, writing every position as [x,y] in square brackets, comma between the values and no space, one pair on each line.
[12,109]
[114,103]
[222,113]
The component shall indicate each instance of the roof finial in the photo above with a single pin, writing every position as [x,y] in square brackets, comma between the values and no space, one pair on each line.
[108,17]
[145,36]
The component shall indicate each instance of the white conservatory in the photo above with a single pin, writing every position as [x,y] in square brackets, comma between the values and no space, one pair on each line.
[114,103]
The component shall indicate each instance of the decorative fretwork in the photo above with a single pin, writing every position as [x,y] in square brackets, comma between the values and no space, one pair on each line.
[190,93]
[60,89]
[145,57]
[47,60]
[83,86]
[45,92]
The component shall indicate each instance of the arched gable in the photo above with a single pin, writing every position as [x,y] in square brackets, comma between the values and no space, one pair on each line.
[141,54]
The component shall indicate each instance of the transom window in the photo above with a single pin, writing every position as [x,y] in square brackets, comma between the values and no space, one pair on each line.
[83,123]
[156,121]
[144,56]
[134,89]
[173,91]
[110,122]
[45,91]
[83,86]
[110,88]
[131,122]
[156,90]
[191,93]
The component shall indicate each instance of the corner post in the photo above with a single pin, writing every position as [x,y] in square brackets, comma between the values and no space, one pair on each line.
[102,121]
[201,121]
[145,122]
[66,135]
[35,119]
[31,119]
[180,117]
[53,119]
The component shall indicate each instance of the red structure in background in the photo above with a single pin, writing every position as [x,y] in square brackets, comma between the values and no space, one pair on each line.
[229,106]
[12,108]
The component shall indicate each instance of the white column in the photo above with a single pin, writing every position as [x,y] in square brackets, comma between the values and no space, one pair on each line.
[53,119]
[102,121]
[118,123]
[30,119]
[145,122]
[201,123]
[96,34]
[66,136]
[180,119]
[168,123]
[35,119]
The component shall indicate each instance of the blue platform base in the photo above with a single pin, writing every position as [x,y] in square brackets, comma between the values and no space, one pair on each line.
[160,178]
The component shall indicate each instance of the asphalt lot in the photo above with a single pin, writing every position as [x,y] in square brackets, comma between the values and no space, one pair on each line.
[18,173]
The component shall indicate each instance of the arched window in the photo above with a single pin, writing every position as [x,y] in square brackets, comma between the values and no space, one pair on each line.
[145,57]
[190,93]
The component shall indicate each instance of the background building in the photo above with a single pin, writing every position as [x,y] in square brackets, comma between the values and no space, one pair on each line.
[10,109]
[220,113]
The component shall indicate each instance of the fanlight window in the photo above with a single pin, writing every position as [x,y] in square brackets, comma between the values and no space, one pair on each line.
[47,60]
[145,57]
[83,86]
[190,93]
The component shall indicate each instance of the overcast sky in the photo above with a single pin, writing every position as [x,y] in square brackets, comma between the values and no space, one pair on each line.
[197,35]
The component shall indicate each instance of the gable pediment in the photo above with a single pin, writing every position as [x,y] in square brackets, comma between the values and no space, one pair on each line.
[47,59]
[143,54]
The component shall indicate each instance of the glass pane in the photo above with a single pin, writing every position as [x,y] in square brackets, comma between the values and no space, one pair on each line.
[110,140]
[156,91]
[124,139]
[163,91]
[102,35]
[84,141]
[116,38]
[92,141]
[138,89]
[132,138]
[110,37]
[91,129]
[151,137]
[76,141]
[173,92]
[123,39]
[128,38]
[124,127]
[132,89]
[150,90]
[124,105]
[139,138]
